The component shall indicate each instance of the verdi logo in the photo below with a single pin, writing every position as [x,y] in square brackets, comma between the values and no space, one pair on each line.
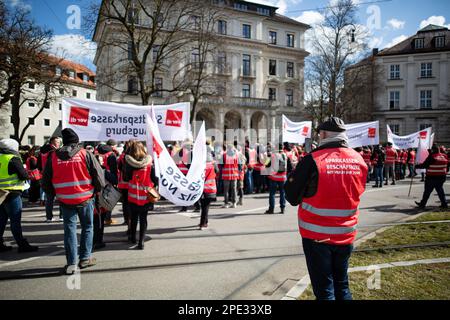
[174,118]
[79,116]
[305,131]
[423,135]
[372,132]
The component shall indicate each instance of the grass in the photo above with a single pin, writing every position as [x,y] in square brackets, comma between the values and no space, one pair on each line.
[413,282]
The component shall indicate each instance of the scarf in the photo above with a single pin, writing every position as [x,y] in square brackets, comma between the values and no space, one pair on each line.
[334,137]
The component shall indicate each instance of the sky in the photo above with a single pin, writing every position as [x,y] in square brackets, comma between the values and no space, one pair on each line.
[389,21]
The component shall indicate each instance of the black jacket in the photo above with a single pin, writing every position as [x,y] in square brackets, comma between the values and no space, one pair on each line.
[66,153]
[303,181]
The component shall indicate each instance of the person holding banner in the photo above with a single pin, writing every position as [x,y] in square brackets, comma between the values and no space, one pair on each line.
[139,174]
[210,189]
[436,174]
[411,162]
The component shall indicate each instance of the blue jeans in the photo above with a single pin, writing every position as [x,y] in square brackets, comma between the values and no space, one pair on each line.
[12,208]
[86,215]
[249,182]
[379,175]
[273,190]
[327,267]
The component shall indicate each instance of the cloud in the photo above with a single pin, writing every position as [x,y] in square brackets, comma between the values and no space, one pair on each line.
[437,20]
[396,24]
[396,40]
[375,42]
[20,4]
[73,47]
[311,17]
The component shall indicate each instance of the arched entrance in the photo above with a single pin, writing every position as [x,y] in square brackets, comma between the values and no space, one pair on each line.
[207,116]
[233,126]
[259,125]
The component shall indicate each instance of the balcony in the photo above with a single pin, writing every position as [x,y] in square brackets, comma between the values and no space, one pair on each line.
[249,75]
[251,102]
[223,70]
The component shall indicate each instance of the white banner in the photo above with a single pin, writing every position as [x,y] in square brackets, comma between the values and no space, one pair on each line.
[363,134]
[296,132]
[409,141]
[100,121]
[179,189]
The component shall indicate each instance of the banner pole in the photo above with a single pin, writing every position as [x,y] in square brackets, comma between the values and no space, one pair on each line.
[410,185]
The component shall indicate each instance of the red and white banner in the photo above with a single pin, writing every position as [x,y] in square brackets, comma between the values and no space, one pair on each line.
[411,140]
[296,132]
[100,121]
[363,134]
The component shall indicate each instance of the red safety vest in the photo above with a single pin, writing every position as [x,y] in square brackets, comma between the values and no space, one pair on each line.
[71,179]
[391,155]
[332,213]
[412,158]
[230,170]
[105,159]
[366,157]
[121,184]
[252,158]
[439,166]
[34,174]
[138,184]
[183,168]
[277,176]
[210,179]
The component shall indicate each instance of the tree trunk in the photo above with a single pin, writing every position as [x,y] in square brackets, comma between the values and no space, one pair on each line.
[15,113]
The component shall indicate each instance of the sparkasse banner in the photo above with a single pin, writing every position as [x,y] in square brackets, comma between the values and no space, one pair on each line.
[409,141]
[100,121]
[296,132]
[363,134]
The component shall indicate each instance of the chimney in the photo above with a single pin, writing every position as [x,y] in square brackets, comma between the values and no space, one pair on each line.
[374,51]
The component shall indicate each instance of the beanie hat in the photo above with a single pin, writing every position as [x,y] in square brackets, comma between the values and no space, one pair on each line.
[69,136]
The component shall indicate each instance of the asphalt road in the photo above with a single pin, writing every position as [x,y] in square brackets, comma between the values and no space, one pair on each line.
[244,254]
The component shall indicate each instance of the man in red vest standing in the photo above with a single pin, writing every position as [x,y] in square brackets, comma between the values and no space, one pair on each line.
[73,175]
[327,185]
[436,165]
[389,163]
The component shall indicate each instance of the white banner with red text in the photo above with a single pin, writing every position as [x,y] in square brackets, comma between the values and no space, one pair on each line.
[101,121]
[296,132]
[363,134]
[409,141]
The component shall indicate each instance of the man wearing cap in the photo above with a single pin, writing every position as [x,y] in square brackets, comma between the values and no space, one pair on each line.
[73,175]
[327,185]
[12,182]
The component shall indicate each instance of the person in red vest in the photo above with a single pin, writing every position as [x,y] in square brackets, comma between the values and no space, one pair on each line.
[140,176]
[184,162]
[35,176]
[230,175]
[242,166]
[436,165]
[250,155]
[404,158]
[367,154]
[327,185]
[74,176]
[45,152]
[411,162]
[209,191]
[389,163]
[258,169]
[279,166]
[122,185]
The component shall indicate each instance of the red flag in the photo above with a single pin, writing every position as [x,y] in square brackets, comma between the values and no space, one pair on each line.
[156,147]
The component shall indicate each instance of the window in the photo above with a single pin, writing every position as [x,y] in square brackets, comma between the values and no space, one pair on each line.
[419,43]
[31,104]
[85,77]
[31,85]
[58,71]
[272,94]
[74,93]
[132,85]
[272,37]
[133,15]
[88,95]
[157,18]
[47,139]
[61,91]
[290,40]
[31,121]
[222,89]
[158,87]
[222,62]
[247,31]
[195,21]
[395,71]
[246,90]
[394,100]
[222,27]
[423,126]
[289,97]
[60,107]
[130,51]
[426,70]
[395,128]
[290,69]
[240,6]
[425,99]
[46,122]
[72,74]
[246,65]
[439,42]
[195,58]
[263,11]
[31,140]
[155,52]
[273,67]
[47,105]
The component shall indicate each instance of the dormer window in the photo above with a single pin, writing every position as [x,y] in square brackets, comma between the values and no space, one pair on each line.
[72,74]
[85,77]
[263,11]
[240,6]
[419,43]
[58,71]
[439,42]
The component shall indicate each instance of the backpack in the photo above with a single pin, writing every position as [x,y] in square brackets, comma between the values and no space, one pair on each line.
[282,162]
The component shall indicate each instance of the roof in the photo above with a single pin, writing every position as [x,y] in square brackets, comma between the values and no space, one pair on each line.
[80,69]
[429,33]
[280,18]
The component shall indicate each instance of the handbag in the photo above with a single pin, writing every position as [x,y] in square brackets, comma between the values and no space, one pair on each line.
[153,195]
[109,197]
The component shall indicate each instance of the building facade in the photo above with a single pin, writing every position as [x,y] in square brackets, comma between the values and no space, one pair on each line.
[77,81]
[261,74]
[412,84]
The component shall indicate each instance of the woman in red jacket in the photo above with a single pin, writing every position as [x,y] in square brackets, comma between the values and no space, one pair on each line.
[35,176]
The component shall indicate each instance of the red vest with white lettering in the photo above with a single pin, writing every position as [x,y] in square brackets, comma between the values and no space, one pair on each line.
[391,155]
[277,176]
[210,179]
[332,213]
[412,158]
[366,157]
[122,184]
[71,179]
[230,170]
[138,185]
[439,165]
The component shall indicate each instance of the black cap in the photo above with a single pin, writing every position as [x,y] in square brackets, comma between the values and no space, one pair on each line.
[111,142]
[333,124]
[69,136]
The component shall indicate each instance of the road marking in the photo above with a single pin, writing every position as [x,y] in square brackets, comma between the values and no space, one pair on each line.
[13,263]
[301,286]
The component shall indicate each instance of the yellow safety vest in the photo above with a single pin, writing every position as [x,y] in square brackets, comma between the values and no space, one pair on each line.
[9,181]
